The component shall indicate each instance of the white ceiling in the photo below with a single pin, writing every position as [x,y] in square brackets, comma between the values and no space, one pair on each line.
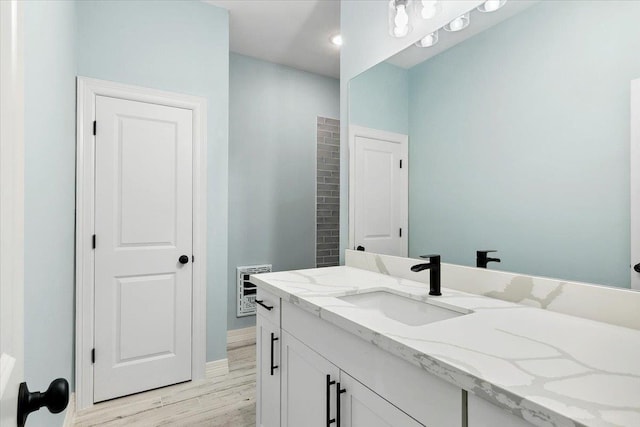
[414,55]
[290,32]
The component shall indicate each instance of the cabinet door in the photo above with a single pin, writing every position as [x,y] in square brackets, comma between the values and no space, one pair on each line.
[267,373]
[308,386]
[361,407]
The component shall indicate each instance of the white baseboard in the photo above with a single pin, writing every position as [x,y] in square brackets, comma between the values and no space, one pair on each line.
[217,368]
[241,337]
[70,415]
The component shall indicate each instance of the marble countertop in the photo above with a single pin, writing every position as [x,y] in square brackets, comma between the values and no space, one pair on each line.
[548,368]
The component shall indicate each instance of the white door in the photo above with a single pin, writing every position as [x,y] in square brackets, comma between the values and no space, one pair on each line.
[308,386]
[361,407]
[380,189]
[268,373]
[634,152]
[143,225]
[11,209]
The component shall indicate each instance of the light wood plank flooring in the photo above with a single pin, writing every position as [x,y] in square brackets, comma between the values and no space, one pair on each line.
[227,400]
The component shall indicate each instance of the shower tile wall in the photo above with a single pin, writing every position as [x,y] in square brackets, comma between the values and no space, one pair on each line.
[328,193]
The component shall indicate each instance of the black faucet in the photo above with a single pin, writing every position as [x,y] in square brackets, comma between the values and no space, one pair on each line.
[434,272]
[482,259]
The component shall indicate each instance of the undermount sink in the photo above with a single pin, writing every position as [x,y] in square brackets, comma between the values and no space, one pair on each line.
[401,309]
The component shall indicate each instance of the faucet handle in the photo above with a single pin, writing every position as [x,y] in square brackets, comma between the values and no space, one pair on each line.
[432,257]
[486,251]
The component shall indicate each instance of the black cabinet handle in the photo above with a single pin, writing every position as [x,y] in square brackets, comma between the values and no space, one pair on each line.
[637,268]
[56,399]
[339,391]
[273,340]
[261,302]
[329,384]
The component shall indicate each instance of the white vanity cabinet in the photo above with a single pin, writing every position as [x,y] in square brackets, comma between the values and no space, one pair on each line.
[268,369]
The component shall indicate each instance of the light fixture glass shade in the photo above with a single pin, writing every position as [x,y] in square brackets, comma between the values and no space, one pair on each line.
[458,24]
[428,40]
[430,8]
[399,17]
[491,5]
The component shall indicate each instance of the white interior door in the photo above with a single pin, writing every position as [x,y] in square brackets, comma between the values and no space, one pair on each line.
[143,225]
[11,209]
[380,208]
[635,184]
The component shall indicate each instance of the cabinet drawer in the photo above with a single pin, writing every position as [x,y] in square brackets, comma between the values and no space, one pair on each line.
[268,305]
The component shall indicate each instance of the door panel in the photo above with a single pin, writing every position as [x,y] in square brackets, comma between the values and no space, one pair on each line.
[143,225]
[304,385]
[268,382]
[378,196]
[364,408]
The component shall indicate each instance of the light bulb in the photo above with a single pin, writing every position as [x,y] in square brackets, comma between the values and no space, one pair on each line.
[336,40]
[428,40]
[402,18]
[429,8]
[399,19]
[458,24]
[491,5]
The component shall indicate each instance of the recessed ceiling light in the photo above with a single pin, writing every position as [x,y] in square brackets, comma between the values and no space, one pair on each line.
[491,5]
[336,40]
[458,24]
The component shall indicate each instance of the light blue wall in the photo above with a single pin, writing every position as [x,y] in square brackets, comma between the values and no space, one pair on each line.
[379,99]
[272,166]
[520,142]
[179,46]
[50,69]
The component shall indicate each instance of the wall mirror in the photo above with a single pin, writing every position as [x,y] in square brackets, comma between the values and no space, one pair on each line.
[518,137]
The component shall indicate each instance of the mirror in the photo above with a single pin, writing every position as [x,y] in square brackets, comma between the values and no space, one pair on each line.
[519,130]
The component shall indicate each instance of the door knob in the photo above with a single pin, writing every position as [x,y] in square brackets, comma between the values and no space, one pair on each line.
[637,268]
[183,259]
[55,399]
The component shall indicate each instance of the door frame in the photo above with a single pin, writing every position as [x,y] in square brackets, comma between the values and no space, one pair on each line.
[11,207]
[381,135]
[634,174]
[87,91]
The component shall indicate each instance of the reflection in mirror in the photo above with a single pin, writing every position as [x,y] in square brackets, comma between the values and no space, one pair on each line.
[518,137]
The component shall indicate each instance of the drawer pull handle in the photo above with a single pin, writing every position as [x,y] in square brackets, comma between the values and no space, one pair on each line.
[273,339]
[261,302]
[329,384]
[339,391]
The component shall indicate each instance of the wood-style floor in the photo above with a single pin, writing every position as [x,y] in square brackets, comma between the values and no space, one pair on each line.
[224,400]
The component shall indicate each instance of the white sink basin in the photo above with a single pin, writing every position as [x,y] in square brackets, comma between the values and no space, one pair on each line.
[401,309]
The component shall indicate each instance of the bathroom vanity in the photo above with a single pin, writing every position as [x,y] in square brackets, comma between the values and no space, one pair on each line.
[348,347]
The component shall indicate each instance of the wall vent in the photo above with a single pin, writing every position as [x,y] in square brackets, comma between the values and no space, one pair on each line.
[246,300]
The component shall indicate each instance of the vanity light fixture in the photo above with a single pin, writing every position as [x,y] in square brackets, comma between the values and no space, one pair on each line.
[458,24]
[399,22]
[430,8]
[428,40]
[491,5]
[336,39]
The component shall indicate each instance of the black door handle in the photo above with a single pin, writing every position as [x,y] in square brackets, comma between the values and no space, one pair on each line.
[637,268]
[56,399]
[329,384]
[261,302]
[360,248]
[339,391]
[273,340]
[183,259]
